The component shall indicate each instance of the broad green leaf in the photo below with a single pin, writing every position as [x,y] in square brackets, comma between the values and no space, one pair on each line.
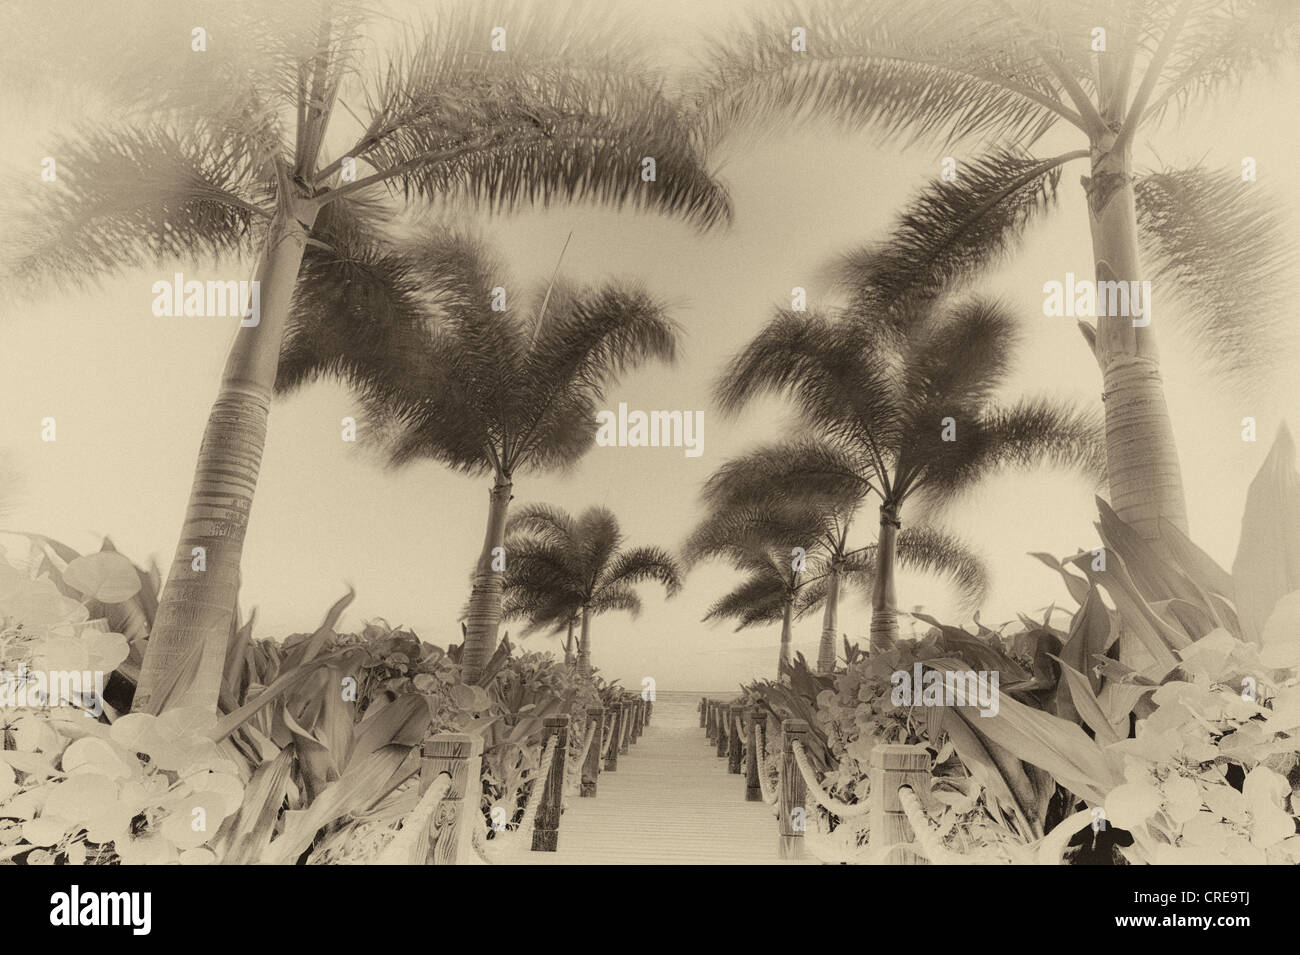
[106,576]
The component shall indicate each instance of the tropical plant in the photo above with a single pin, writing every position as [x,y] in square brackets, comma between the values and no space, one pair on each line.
[223,155]
[903,405]
[313,758]
[559,566]
[953,71]
[484,390]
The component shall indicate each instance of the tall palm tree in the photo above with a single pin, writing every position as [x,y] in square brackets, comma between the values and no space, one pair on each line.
[483,391]
[953,71]
[223,154]
[791,540]
[904,407]
[560,567]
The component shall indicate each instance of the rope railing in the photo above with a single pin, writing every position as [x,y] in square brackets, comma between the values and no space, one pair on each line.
[507,841]
[836,807]
[450,828]
[894,825]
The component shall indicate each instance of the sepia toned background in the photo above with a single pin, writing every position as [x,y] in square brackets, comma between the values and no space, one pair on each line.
[130,393]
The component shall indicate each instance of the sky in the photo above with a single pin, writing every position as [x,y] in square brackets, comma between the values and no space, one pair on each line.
[130,392]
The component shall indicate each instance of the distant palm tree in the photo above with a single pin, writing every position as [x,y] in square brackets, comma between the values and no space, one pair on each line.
[482,390]
[224,155]
[773,479]
[791,541]
[953,71]
[904,407]
[559,568]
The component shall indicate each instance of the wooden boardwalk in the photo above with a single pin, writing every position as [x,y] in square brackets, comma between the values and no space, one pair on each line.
[671,802]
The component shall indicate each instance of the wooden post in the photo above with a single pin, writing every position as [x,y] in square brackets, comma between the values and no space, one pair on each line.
[734,753]
[710,724]
[460,756]
[894,765]
[638,718]
[626,740]
[615,731]
[793,797]
[724,736]
[753,790]
[591,765]
[704,712]
[546,831]
[649,710]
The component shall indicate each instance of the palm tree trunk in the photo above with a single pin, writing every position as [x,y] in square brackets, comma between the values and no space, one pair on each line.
[584,644]
[787,633]
[568,646]
[197,605]
[884,600]
[1142,459]
[483,621]
[830,623]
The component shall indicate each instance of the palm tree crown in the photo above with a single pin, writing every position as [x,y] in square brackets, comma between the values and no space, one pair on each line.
[901,402]
[559,567]
[455,369]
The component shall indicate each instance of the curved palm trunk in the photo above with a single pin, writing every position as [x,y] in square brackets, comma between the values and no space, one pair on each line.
[483,621]
[584,644]
[568,646]
[884,600]
[197,605]
[787,632]
[830,624]
[1141,457]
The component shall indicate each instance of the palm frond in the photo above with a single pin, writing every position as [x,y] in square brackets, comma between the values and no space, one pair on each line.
[1031,433]
[1223,251]
[130,198]
[1220,46]
[642,564]
[942,71]
[950,231]
[558,113]
[845,384]
[929,550]
[790,472]
[759,599]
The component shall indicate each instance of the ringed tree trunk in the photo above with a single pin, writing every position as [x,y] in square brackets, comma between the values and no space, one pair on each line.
[884,599]
[787,632]
[1142,466]
[197,606]
[830,624]
[568,646]
[584,644]
[483,621]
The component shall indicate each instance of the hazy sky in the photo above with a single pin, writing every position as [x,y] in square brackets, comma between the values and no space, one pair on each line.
[130,393]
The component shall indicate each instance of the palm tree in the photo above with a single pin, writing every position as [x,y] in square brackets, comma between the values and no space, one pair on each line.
[791,540]
[224,154]
[773,479]
[443,374]
[560,568]
[904,407]
[952,71]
